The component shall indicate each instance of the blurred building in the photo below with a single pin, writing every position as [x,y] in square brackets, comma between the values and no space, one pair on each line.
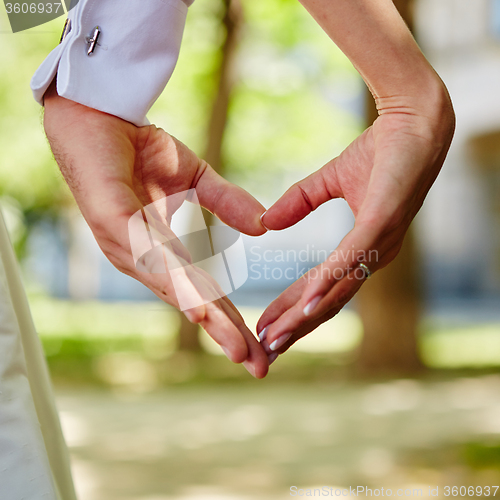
[460,223]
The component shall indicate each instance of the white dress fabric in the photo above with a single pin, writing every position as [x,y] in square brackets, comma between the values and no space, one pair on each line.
[34,463]
[137,51]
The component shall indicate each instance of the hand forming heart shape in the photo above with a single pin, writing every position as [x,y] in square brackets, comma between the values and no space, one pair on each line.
[114,169]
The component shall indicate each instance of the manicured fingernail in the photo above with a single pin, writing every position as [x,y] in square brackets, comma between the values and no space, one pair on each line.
[250,368]
[280,341]
[312,305]
[189,316]
[272,358]
[227,353]
[262,221]
[263,333]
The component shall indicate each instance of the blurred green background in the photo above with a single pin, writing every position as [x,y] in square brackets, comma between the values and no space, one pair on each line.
[401,389]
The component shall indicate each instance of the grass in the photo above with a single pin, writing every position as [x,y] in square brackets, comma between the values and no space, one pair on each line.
[134,344]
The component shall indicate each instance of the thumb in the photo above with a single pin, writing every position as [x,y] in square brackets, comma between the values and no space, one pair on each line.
[303,198]
[231,204]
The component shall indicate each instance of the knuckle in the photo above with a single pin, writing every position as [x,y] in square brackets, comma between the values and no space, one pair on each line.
[392,253]
[99,223]
[306,197]
[332,313]
[195,316]
[118,264]
[394,221]
[332,272]
[342,296]
[165,291]
[385,223]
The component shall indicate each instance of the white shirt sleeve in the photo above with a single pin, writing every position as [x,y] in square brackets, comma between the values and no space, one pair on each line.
[137,50]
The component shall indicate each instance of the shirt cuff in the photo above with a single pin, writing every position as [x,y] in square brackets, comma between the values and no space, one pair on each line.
[137,50]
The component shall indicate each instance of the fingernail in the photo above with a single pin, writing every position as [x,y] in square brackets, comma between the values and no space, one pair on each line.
[280,341]
[189,316]
[272,358]
[312,305]
[262,221]
[226,352]
[249,367]
[263,333]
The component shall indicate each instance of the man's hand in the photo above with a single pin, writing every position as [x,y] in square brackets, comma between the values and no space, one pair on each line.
[114,169]
[384,176]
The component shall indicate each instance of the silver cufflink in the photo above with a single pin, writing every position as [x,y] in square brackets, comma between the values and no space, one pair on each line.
[92,40]
[66,29]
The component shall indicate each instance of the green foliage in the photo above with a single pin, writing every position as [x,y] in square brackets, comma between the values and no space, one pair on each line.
[482,455]
[28,173]
[72,359]
[183,108]
[284,116]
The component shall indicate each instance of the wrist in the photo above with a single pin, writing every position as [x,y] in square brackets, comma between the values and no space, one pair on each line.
[428,99]
[50,93]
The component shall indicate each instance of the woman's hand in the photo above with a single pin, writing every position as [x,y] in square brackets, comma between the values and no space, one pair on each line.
[114,169]
[384,176]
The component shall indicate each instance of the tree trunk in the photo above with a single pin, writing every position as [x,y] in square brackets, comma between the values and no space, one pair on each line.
[389,303]
[232,20]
